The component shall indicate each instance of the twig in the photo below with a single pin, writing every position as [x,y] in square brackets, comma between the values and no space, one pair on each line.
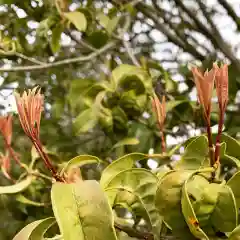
[33,60]
[60,63]
[38,174]
[130,53]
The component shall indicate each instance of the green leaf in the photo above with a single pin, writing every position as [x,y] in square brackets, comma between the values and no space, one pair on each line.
[108,23]
[225,215]
[18,187]
[23,199]
[233,146]
[35,230]
[173,103]
[233,183]
[235,234]
[78,19]
[103,19]
[142,184]
[112,24]
[126,141]
[168,201]
[98,39]
[226,159]
[119,165]
[190,216]
[82,210]
[85,121]
[194,155]
[79,161]
[132,77]
[56,37]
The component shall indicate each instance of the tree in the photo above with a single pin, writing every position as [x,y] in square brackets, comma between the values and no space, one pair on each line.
[96,105]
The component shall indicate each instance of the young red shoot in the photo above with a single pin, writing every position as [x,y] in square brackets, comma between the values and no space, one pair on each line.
[160,110]
[29,107]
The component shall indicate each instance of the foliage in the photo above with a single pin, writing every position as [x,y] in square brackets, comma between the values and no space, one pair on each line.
[97,63]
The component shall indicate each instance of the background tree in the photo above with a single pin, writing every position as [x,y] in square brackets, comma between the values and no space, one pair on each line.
[71,49]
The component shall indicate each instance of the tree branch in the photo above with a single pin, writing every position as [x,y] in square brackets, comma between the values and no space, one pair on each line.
[230,12]
[182,43]
[214,35]
[62,62]
[130,53]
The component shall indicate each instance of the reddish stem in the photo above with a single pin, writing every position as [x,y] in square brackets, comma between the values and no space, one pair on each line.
[210,143]
[218,139]
[13,154]
[37,144]
[163,143]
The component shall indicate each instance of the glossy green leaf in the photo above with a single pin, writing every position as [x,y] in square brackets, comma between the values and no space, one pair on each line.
[81,209]
[235,234]
[85,121]
[35,230]
[194,155]
[18,187]
[126,141]
[142,185]
[79,161]
[225,215]
[119,165]
[190,216]
[78,19]
[233,183]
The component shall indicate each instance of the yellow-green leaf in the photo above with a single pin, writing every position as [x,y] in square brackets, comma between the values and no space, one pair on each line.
[35,230]
[18,187]
[126,141]
[79,161]
[81,210]
[190,216]
[142,185]
[78,19]
[119,165]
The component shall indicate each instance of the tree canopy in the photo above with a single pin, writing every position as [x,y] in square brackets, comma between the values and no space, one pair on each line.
[97,64]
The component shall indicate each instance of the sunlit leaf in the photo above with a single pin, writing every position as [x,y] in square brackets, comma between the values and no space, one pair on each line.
[119,165]
[78,19]
[35,230]
[190,216]
[126,141]
[79,161]
[21,198]
[142,185]
[85,121]
[235,234]
[194,155]
[233,183]
[132,77]
[81,209]
[18,187]
[225,215]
